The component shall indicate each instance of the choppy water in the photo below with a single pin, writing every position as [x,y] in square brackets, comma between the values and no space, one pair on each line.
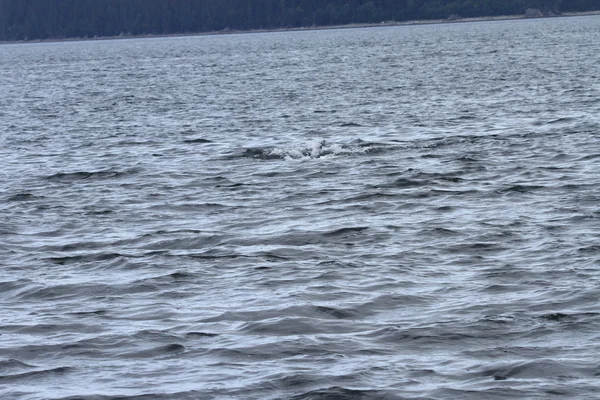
[389,213]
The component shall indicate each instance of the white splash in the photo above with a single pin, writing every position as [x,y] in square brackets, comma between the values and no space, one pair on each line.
[319,148]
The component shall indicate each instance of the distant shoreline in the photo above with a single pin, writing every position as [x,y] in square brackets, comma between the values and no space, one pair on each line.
[309,28]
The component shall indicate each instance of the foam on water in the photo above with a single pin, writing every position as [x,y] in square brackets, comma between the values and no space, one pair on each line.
[318,148]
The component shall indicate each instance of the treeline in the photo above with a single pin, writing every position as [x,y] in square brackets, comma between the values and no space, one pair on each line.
[43,19]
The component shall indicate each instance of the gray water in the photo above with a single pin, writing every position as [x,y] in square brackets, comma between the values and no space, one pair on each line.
[384,213]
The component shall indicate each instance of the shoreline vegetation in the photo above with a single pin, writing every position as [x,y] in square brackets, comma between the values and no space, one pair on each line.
[451,20]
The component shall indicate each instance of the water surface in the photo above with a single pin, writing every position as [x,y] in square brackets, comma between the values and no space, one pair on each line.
[384,213]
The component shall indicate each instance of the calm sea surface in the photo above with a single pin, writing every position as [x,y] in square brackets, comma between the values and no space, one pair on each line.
[385,213]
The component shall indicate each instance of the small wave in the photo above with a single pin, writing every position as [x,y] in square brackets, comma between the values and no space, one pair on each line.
[197,141]
[346,232]
[184,395]
[46,373]
[561,120]
[44,328]
[290,314]
[13,364]
[89,313]
[325,111]
[88,258]
[8,286]
[24,197]
[196,335]
[69,177]
[159,351]
[386,302]
[334,393]
[521,189]
[306,238]
[66,291]
[589,157]
[438,336]
[335,313]
[100,212]
[292,326]
[408,183]
[440,232]
[537,369]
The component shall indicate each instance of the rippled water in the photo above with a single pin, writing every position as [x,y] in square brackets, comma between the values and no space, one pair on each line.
[402,212]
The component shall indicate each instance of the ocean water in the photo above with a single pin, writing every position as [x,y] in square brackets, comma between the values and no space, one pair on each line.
[384,213]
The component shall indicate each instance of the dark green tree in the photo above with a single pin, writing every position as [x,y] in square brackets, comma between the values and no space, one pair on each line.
[43,19]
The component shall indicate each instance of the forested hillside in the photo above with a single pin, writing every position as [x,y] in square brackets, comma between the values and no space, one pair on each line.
[42,19]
